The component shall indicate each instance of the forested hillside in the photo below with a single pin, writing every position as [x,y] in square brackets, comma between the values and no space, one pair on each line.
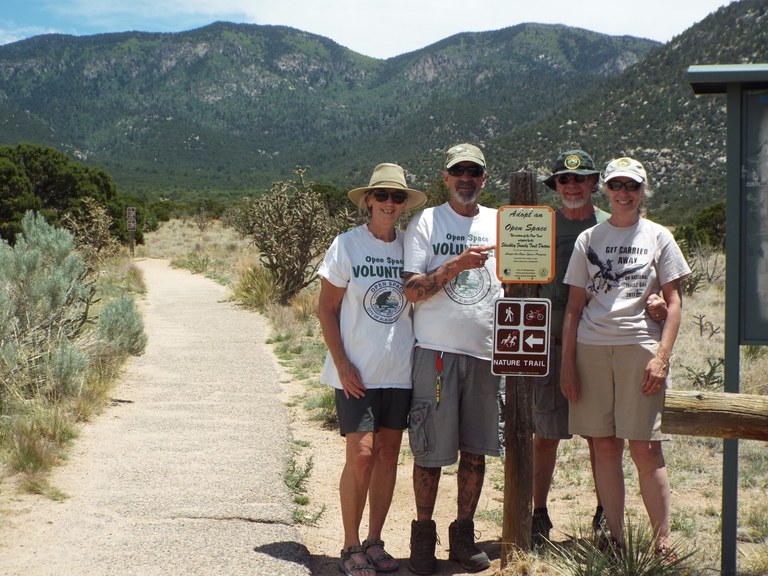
[230,106]
[651,113]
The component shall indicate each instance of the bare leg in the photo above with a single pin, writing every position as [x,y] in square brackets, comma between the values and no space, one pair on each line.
[544,458]
[654,484]
[425,484]
[610,481]
[591,446]
[353,485]
[470,481]
[386,451]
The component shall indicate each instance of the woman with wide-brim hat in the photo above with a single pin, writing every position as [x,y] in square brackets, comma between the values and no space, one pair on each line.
[366,324]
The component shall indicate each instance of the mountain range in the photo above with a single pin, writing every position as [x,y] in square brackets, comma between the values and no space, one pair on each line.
[227,109]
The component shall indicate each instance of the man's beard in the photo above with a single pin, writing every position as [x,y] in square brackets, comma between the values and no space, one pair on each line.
[466,200]
[575,203]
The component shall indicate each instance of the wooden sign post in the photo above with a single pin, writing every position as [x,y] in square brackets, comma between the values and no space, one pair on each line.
[518,424]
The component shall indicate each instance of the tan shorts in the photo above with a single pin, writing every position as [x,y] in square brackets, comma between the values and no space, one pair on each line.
[611,402]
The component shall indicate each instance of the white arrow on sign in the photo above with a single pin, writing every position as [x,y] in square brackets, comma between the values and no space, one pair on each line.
[531,341]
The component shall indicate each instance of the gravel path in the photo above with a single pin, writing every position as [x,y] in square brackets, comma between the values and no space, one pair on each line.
[183,474]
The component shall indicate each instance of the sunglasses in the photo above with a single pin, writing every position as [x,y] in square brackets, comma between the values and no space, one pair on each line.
[565,178]
[397,196]
[472,171]
[617,185]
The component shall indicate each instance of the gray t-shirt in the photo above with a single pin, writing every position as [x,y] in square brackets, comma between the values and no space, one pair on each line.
[619,268]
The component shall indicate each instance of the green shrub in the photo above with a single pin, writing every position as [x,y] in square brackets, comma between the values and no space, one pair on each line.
[706,229]
[120,329]
[45,301]
[56,358]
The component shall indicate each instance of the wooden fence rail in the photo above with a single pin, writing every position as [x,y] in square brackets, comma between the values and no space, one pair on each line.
[715,414]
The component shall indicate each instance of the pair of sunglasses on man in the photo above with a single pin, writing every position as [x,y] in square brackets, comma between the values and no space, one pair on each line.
[614,185]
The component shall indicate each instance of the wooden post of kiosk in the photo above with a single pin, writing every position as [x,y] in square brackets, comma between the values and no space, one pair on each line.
[518,417]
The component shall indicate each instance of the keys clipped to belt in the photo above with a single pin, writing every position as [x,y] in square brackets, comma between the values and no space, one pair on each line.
[439,381]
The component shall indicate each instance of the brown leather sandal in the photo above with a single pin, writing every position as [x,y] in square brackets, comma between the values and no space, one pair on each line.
[351,567]
[381,560]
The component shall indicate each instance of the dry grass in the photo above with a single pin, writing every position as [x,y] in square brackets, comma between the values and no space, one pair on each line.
[694,463]
[220,251]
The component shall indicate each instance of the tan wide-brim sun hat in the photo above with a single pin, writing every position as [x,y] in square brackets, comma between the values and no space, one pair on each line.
[389,177]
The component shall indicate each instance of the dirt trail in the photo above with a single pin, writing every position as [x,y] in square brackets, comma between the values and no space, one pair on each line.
[183,473]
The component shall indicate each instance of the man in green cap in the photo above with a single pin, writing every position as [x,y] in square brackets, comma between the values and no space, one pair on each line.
[575,179]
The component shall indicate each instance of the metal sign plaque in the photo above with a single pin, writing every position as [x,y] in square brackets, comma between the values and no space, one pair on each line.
[521,337]
[526,244]
[130,218]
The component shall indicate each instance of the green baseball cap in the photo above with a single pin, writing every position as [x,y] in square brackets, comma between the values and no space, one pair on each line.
[464,153]
[571,162]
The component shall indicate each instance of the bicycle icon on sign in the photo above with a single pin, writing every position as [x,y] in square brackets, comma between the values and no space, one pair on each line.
[534,315]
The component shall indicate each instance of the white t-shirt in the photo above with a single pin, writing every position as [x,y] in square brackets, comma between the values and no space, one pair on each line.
[375,318]
[459,318]
[620,268]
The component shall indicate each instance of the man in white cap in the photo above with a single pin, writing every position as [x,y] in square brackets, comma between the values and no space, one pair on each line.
[450,275]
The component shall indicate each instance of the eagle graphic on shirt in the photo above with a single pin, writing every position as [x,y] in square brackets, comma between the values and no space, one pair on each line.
[606,279]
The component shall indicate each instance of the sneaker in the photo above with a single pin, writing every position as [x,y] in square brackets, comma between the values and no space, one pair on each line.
[667,554]
[598,521]
[462,549]
[423,542]
[612,548]
[540,527]
[600,531]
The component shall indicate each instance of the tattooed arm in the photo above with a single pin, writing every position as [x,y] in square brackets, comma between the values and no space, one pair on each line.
[421,286]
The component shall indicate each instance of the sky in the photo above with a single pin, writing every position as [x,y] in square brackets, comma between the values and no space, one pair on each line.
[377,28]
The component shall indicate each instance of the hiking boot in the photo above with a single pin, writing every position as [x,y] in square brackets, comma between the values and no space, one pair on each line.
[540,527]
[423,542]
[462,549]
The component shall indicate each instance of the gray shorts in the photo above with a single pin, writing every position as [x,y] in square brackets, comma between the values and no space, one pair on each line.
[379,408]
[550,407]
[468,417]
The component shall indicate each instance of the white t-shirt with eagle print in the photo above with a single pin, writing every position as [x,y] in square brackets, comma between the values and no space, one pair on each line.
[619,268]
[375,318]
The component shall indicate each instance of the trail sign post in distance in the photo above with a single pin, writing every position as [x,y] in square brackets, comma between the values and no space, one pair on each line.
[521,337]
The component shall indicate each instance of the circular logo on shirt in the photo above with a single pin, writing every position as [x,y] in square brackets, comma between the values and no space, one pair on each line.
[384,301]
[470,286]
